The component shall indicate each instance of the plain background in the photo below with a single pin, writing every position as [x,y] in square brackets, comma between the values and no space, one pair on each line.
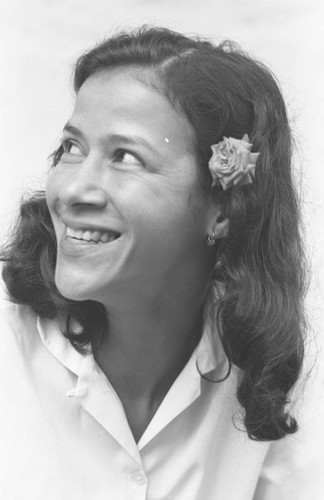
[40,39]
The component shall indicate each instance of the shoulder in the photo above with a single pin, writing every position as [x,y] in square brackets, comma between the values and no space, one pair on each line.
[292,468]
[15,315]
[18,325]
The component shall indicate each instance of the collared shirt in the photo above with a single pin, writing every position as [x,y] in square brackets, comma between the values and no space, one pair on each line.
[64,434]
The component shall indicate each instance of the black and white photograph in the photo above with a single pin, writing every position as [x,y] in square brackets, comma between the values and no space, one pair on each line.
[162,243]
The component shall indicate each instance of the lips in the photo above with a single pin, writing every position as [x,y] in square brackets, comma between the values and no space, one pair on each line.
[96,236]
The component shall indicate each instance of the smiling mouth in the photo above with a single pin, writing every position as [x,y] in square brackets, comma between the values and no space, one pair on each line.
[93,237]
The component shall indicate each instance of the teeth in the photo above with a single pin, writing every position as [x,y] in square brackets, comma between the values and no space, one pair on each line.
[96,236]
[86,236]
[104,237]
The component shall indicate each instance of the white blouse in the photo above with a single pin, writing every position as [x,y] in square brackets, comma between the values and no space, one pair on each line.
[64,434]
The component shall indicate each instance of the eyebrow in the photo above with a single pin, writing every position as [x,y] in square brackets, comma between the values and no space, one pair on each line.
[114,138]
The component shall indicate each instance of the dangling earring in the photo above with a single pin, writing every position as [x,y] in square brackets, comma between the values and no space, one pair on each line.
[211,240]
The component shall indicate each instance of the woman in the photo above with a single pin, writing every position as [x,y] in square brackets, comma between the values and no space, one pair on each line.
[158,328]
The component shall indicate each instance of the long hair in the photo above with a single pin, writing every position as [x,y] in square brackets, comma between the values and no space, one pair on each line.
[222,92]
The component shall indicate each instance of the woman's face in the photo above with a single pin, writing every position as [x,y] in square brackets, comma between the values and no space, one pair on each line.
[129,215]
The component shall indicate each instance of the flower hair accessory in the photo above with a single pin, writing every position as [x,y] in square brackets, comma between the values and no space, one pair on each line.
[232,163]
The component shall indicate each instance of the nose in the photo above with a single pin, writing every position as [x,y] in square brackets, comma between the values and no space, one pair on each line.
[84,187]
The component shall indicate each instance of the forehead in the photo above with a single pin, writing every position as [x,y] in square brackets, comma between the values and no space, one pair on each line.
[132,101]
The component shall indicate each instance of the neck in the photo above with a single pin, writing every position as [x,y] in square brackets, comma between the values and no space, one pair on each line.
[148,345]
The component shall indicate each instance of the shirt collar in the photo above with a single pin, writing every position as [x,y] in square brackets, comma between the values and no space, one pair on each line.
[208,357]
[51,333]
[209,354]
[98,398]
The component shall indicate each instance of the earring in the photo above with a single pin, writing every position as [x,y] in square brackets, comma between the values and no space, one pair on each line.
[211,240]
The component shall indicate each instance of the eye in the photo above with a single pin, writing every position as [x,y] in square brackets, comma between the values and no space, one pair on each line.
[71,148]
[69,152]
[123,156]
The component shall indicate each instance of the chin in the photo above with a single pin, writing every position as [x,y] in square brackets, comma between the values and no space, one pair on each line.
[72,289]
[69,294]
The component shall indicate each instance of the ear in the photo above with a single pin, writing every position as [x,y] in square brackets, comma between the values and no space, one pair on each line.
[217,225]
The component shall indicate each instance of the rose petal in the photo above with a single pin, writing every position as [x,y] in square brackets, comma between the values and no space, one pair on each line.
[247,179]
[232,163]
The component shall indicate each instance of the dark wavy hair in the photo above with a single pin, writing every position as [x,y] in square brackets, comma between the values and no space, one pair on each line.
[223,92]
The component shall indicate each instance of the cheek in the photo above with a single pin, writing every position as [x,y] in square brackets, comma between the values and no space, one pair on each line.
[197,204]
[55,181]
[51,199]
[50,190]
[169,219]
